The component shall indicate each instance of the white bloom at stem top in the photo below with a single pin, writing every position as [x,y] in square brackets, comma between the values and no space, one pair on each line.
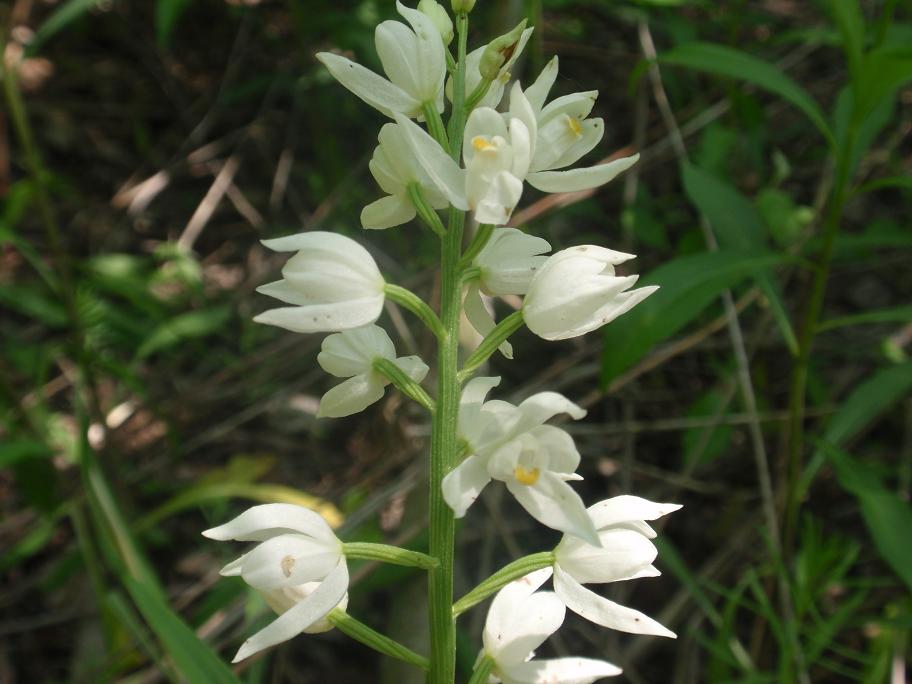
[298,567]
[351,355]
[332,282]
[506,264]
[626,552]
[577,291]
[413,58]
[519,620]
[511,444]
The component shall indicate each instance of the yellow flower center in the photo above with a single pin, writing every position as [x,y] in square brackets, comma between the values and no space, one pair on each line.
[574,125]
[482,144]
[526,477]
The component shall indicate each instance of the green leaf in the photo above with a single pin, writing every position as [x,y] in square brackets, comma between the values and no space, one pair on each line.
[167,12]
[883,72]
[65,14]
[195,660]
[860,409]
[887,517]
[726,61]
[183,327]
[898,314]
[14,450]
[738,226]
[688,286]
[847,14]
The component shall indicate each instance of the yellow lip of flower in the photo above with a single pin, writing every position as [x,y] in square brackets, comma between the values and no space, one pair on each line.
[526,477]
[482,144]
[574,125]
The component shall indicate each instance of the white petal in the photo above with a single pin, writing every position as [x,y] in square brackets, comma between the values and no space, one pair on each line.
[484,122]
[477,389]
[387,212]
[603,612]
[543,406]
[562,671]
[351,396]
[301,616]
[480,318]
[497,205]
[430,56]
[523,136]
[353,352]
[624,554]
[373,89]
[269,520]
[324,317]
[289,559]
[397,49]
[444,173]
[510,637]
[616,306]
[233,569]
[580,179]
[622,508]
[537,93]
[553,502]
[592,133]
[576,106]
[563,457]
[463,484]
[413,367]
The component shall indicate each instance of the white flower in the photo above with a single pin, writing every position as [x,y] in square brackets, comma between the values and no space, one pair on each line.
[496,90]
[519,620]
[298,567]
[413,59]
[576,291]
[507,264]
[511,444]
[626,552]
[497,154]
[333,283]
[565,135]
[351,355]
[394,168]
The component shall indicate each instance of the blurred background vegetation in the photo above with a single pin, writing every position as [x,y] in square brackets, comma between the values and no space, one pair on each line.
[146,148]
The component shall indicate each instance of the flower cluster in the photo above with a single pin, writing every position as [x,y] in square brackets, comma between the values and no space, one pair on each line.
[477,165]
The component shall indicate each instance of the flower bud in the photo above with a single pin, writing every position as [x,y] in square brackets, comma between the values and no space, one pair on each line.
[498,52]
[462,5]
[437,14]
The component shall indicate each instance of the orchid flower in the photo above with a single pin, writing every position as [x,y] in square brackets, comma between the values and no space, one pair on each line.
[519,620]
[298,567]
[413,58]
[577,291]
[332,281]
[351,355]
[506,265]
[473,76]
[626,552]
[512,444]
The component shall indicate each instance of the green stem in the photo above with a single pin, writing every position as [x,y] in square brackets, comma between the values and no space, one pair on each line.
[358,631]
[518,568]
[435,124]
[444,443]
[480,91]
[478,243]
[490,343]
[810,327]
[482,670]
[409,300]
[403,382]
[425,211]
[388,554]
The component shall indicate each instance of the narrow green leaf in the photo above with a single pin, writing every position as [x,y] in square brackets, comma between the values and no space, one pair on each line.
[896,314]
[65,14]
[847,14]
[887,517]
[193,658]
[726,61]
[183,327]
[688,286]
[737,225]
[883,71]
[860,409]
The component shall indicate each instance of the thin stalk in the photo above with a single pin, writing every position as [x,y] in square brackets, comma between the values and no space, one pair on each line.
[513,571]
[425,211]
[403,382]
[358,631]
[389,554]
[444,443]
[480,91]
[478,243]
[482,670]
[490,343]
[435,124]
[409,300]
